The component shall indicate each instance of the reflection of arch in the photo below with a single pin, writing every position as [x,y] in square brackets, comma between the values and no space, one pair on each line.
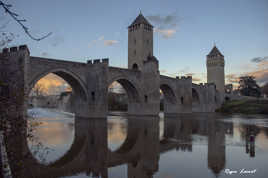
[132,137]
[129,143]
[131,90]
[72,162]
[195,96]
[55,168]
[72,79]
[169,94]
[135,66]
[71,154]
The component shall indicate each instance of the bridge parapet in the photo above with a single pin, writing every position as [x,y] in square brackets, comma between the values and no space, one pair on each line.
[15,49]
[98,61]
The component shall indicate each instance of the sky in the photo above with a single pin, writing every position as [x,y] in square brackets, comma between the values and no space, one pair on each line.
[185,32]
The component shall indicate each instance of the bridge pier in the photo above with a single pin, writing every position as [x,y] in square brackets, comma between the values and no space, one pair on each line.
[150,85]
[97,88]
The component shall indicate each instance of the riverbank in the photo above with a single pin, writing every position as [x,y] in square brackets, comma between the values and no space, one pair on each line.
[245,106]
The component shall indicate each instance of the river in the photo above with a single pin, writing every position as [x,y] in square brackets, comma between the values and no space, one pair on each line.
[191,145]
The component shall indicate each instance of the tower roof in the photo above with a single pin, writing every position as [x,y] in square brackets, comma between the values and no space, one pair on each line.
[140,20]
[215,51]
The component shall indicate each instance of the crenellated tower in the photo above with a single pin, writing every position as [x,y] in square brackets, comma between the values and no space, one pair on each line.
[140,42]
[215,69]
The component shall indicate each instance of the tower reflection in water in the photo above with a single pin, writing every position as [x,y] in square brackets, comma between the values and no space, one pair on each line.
[141,150]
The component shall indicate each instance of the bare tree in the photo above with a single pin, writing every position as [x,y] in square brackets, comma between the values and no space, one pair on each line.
[8,37]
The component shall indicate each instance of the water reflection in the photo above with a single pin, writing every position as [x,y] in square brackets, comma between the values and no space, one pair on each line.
[188,146]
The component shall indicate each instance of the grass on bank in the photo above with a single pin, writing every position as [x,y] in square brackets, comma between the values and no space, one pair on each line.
[245,106]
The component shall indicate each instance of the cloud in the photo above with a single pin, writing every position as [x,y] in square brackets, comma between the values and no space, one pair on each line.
[105,42]
[166,33]
[185,70]
[116,87]
[260,72]
[164,21]
[110,42]
[195,79]
[259,59]
[92,43]
[163,71]
[261,76]
[44,54]
[232,78]
[101,38]
[52,84]
[165,25]
[57,40]
[174,74]
[189,74]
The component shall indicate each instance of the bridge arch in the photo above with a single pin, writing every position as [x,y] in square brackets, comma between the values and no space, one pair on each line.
[133,91]
[170,101]
[78,86]
[169,94]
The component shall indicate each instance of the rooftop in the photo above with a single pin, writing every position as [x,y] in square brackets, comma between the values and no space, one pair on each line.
[140,20]
[215,51]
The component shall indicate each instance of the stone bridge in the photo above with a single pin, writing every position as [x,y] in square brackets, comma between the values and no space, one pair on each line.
[90,82]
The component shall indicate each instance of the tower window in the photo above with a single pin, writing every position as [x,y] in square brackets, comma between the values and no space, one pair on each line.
[93,96]
[135,41]
[135,52]
[147,41]
[135,66]
[181,100]
[145,98]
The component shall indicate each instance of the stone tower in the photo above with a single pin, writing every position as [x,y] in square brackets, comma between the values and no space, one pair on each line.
[215,69]
[140,42]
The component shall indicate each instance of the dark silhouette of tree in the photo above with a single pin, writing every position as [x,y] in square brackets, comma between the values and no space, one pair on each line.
[249,87]
[7,37]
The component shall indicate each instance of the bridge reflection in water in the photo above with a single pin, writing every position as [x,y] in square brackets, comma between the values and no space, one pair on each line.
[141,150]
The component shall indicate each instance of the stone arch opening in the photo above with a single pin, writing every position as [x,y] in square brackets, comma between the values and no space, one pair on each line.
[132,133]
[121,95]
[167,97]
[68,95]
[78,87]
[135,66]
[63,90]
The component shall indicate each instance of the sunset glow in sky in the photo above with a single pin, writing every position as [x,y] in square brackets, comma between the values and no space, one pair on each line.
[185,31]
